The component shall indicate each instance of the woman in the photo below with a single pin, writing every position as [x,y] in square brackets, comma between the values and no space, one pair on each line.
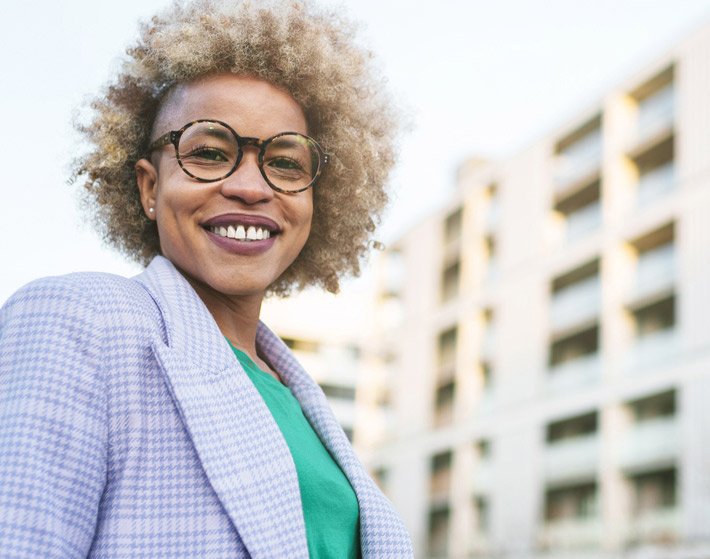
[241,152]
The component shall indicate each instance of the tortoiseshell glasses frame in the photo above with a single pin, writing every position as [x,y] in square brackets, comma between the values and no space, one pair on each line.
[284,168]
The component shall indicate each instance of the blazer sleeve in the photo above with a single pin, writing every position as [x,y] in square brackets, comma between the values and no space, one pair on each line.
[53,421]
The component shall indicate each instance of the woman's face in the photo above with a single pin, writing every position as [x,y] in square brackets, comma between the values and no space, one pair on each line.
[190,214]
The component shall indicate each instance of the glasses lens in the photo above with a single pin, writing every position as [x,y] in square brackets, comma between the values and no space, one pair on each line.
[208,150]
[291,161]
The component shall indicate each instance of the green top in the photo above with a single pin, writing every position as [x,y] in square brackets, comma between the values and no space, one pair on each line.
[330,507]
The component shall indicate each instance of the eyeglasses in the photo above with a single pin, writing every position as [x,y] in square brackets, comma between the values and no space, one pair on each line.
[210,150]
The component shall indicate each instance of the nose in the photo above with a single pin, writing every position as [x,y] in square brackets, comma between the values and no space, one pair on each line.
[247,183]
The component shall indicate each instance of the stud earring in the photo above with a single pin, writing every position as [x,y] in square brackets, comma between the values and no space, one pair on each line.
[151,210]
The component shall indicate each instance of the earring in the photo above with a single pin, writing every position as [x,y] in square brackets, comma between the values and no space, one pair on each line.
[151,210]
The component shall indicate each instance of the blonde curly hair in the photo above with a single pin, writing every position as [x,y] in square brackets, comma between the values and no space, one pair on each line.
[308,51]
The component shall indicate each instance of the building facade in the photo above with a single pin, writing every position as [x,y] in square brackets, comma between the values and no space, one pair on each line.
[537,374]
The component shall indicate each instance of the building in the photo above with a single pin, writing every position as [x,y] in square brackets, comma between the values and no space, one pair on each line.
[323,331]
[538,366]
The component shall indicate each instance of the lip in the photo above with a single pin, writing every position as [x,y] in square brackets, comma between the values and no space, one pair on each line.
[243,219]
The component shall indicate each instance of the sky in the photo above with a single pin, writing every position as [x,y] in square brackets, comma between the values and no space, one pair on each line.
[475,79]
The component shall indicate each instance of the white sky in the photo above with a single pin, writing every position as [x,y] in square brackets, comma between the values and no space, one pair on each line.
[478,78]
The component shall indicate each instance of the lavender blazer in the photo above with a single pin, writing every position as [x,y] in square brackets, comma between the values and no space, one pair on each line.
[129,430]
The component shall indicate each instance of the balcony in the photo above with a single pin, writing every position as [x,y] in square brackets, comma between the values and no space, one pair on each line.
[576,304]
[655,272]
[583,221]
[662,526]
[650,442]
[573,458]
[575,374]
[579,163]
[573,533]
[652,350]
[656,114]
[655,183]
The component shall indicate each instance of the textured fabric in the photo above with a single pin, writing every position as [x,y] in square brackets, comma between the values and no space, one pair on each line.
[330,509]
[128,430]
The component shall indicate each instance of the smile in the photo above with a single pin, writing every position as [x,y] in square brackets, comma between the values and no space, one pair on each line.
[241,233]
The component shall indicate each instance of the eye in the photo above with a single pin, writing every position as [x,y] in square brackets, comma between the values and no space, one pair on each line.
[286,164]
[207,153]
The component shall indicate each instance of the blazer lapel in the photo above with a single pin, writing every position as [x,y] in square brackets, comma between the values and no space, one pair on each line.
[383,534]
[242,451]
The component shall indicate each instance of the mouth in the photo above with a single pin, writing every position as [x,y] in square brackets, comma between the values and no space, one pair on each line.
[240,232]
[244,228]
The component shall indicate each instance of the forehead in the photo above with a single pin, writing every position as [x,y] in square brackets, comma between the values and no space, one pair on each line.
[251,106]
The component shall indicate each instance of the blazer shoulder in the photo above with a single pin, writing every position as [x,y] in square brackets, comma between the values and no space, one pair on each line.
[82,294]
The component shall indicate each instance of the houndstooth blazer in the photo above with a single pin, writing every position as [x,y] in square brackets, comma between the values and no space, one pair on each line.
[129,430]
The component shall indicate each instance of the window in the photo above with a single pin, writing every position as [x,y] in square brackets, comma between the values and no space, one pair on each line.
[656,171]
[452,227]
[655,317]
[481,507]
[340,392]
[579,155]
[573,427]
[444,404]
[655,406]
[582,210]
[655,263]
[655,100]
[575,346]
[483,448]
[576,297]
[448,342]
[450,281]
[570,503]
[654,491]
[441,473]
[438,532]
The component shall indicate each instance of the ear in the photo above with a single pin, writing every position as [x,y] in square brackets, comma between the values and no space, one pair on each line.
[147,178]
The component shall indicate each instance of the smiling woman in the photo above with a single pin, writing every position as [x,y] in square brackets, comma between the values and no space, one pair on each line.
[242,151]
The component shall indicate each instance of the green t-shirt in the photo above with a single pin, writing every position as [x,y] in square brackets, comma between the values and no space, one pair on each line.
[330,507]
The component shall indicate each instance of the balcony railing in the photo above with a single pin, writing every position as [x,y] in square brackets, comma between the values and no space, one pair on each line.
[572,458]
[655,272]
[575,374]
[654,441]
[575,304]
[583,221]
[651,350]
[662,526]
[572,533]
[578,161]
[655,114]
[655,183]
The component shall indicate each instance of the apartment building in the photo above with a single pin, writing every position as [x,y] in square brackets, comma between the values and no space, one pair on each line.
[323,331]
[537,373]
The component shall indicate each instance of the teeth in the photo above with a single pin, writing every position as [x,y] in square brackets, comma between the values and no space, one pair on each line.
[240,233]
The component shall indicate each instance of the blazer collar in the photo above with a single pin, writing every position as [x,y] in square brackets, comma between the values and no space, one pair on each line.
[241,448]
[242,451]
